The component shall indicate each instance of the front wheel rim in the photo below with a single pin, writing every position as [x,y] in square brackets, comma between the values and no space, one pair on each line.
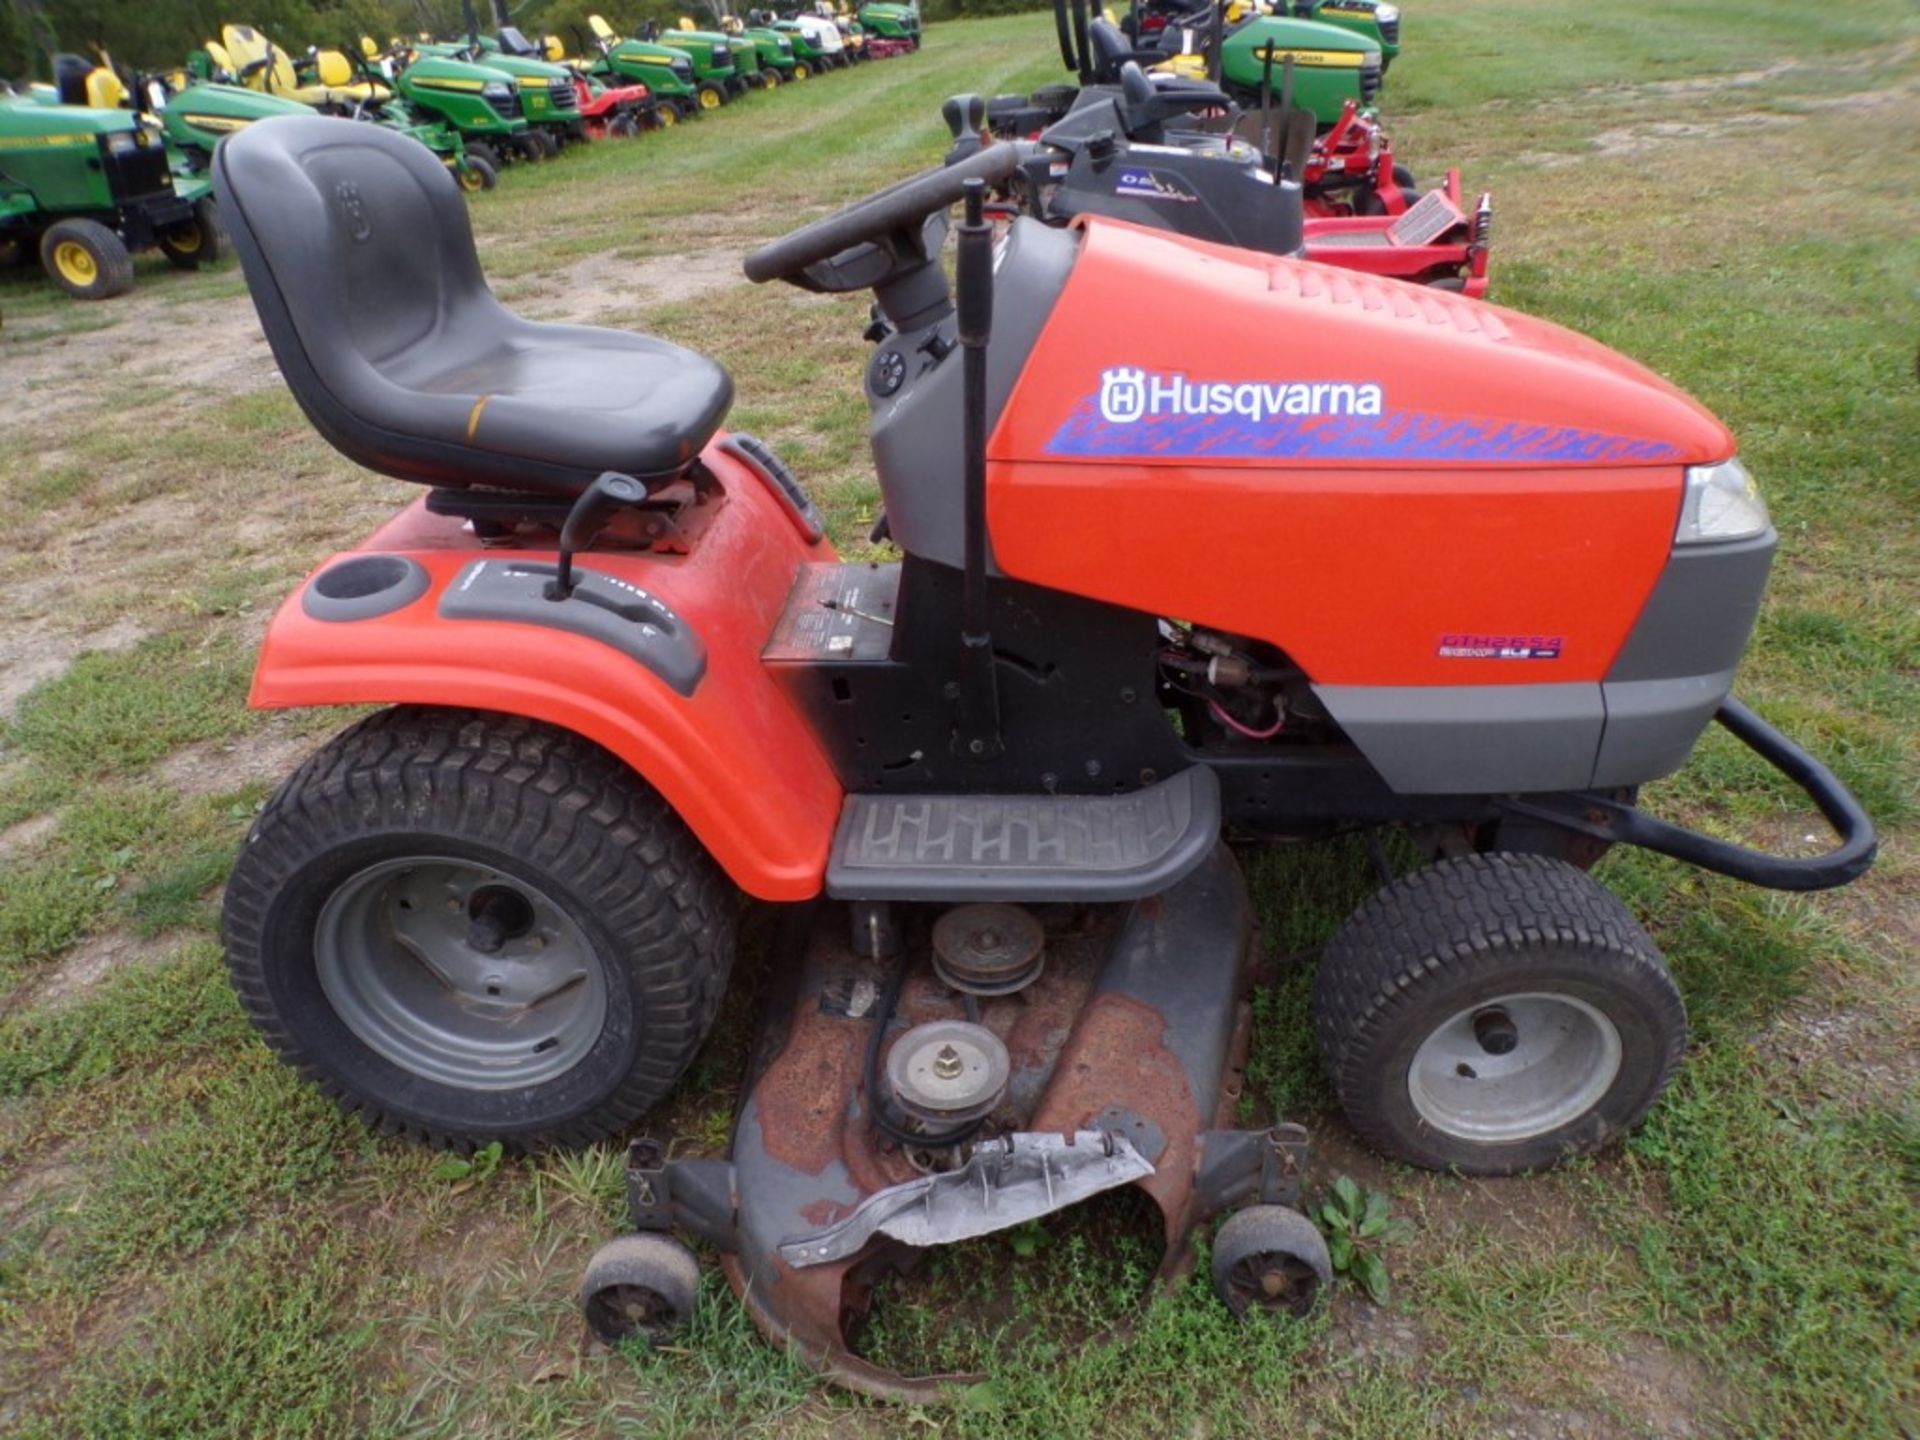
[1514,1067]
[402,955]
[75,263]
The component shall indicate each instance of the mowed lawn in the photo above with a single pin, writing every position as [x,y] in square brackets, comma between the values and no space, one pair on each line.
[193,1244]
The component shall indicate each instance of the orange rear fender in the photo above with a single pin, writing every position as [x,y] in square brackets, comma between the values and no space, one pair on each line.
[735,759]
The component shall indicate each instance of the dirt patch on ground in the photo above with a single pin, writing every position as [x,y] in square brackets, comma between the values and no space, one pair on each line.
[37,651]
[92,961]
[265,757]
[1854,1053]
[16,839]
[158,342]
[602,285]
[1628,140]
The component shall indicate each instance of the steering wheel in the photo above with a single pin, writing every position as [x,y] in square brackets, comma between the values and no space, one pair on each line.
[889,218]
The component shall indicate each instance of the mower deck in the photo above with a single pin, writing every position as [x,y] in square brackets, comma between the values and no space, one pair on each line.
[1125,1058]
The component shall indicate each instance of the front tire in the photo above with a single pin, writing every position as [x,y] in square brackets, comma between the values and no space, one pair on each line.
[199,241]
[1495,1014]
[470,927]
[86,259]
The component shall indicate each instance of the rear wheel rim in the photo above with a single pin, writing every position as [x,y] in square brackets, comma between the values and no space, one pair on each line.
[75,263]
[400,951]
[186,239]
[1514,1067]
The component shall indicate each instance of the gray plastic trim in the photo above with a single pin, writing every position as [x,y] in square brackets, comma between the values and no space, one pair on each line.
[621,616]
[1697,620]
[1025,847]
[361,587]
[1652,725]
[916,430]
[1473,739]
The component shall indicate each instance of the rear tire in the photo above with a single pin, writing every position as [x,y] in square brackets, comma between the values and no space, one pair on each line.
[1495,1014]
[86,259]
[470,927]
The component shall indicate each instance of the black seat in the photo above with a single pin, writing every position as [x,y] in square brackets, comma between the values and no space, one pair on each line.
[357,248]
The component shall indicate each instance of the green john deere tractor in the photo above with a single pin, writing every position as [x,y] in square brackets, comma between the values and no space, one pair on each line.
[84,186]
[716,63]
[1233,43]
[772,50]
[1378,20]
[664,70]
[479,103]
[196,106]
[899,24]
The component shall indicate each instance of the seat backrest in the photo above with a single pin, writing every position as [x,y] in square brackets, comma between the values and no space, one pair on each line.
[356,245]
[333,69]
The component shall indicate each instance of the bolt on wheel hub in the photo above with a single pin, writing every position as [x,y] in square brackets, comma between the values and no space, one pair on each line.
[460,973]
[1514,1067]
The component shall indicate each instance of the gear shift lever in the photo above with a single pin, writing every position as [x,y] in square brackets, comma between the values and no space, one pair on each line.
[589,514]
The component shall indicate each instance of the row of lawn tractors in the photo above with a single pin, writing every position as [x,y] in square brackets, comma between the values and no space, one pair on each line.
[1194,553]
[104,162]
[1254,123]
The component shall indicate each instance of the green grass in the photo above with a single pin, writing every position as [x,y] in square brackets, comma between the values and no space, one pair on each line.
[193,1244]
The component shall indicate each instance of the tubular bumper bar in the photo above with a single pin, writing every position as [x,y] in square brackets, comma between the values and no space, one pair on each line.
[1607,819]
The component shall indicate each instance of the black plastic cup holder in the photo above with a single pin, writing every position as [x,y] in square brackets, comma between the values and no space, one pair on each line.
[363,586]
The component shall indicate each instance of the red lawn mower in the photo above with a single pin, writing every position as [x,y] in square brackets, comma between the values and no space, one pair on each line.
[1150,149]
[614,111]
[1199,549]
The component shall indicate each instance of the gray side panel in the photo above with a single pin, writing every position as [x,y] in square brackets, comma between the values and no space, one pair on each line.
[916,431]
[1701,612]
[1652,724]
[1473,739]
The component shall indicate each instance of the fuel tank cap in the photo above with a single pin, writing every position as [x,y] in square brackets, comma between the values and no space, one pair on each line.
[948,1072]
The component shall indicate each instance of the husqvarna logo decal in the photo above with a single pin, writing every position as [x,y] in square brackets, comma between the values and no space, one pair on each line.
[1145,414]
[1123,395]
[1128,394]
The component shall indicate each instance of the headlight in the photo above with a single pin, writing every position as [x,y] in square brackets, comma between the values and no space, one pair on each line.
[121,142]
[496,90]
[1386,14]
[1722,503]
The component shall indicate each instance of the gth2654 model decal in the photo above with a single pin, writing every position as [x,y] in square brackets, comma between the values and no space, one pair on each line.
[1141,414]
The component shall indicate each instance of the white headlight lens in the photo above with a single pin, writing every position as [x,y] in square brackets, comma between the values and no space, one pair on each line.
[1722,503]
[494,90]
[1386,14]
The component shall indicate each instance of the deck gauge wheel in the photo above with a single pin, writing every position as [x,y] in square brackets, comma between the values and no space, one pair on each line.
[1270,1260]
[640,1286]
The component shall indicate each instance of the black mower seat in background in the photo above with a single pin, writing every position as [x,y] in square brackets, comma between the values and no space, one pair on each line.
[357,248]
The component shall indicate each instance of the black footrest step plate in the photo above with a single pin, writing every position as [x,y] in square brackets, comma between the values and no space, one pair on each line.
[1025,847]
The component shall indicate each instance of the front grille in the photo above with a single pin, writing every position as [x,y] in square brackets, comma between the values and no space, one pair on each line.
[507,107]
[563,95]
[1390,31]
[1369,80]
[135,172]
